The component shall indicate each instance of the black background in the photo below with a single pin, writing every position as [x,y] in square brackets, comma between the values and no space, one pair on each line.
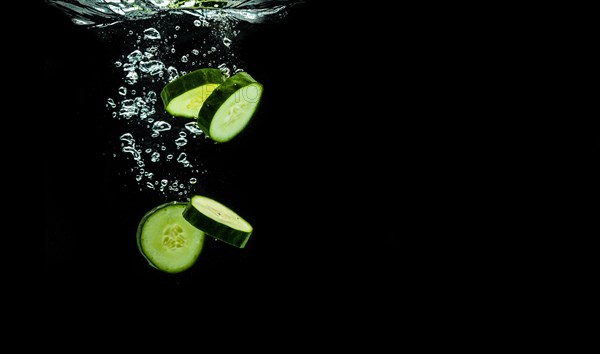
[376,176]
[329,173]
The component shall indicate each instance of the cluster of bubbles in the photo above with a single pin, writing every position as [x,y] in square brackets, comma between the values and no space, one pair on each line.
[154,143]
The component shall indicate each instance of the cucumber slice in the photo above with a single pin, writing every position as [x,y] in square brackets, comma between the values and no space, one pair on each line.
[229,108]
[218,221]
[167,241]
[184,96]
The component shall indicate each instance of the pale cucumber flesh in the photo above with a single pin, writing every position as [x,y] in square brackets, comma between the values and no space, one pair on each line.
[185,95]
[188,104]
[168,241]
[235,113]
[230,107]
[218,221]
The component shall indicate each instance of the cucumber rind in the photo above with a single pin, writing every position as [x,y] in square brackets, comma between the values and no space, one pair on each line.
[232,87]
[186,83]
[158,257]
[236,233]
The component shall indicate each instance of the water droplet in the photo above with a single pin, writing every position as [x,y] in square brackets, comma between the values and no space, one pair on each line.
[132,77]
[151,33]
[128,138]
[160,126]
[151,97]
[128,109]
[132,151]
[224,69]
[153,67]
[173,74]
[135,56]
[155,157]
[129,67]
[180,141]
[139,102]
[151,51]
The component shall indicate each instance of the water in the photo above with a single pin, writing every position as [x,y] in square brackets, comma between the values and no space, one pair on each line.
[159,41]
[311,158]
[108,12]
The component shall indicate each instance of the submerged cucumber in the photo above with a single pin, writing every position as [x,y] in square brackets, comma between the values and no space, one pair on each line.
[217,220]
[167,241]
[230,106]
[184,96]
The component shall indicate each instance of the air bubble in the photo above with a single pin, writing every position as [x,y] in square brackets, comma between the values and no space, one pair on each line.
[151,34]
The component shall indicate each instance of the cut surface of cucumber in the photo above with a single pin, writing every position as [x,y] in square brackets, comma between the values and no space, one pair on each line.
[229,108]
[217,220]
[168,241]
[185,95]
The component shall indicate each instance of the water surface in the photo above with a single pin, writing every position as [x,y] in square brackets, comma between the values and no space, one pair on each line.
[108,12]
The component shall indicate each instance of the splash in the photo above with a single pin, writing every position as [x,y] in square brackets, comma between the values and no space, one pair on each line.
[99,13]
[160,41]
